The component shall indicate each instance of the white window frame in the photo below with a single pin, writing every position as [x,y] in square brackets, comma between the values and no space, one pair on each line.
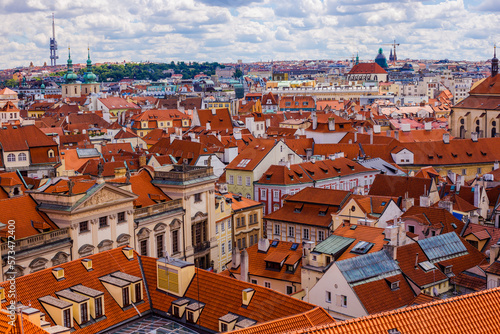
[328,297]
[231,179]
[291,231]
[276,195]
[305,233]
[239,180]
[267,284]
[277,228]
[247,181]
[263,193]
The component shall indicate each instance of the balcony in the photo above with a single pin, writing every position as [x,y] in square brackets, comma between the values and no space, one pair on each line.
[37,240]
[201,246]
[181,174]
[158,208]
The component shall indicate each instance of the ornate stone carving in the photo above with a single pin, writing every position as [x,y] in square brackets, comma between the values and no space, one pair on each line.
[105,245]
[143,233]
[175,224]
[160,227]
[86,250]
[101,197]
[59,258]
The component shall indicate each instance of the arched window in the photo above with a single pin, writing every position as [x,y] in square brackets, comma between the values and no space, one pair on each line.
[11,157]
[462,121]
[50,153]
[21,157]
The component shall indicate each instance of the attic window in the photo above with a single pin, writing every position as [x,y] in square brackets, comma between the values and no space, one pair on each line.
[430,156]
[275,243]
[322,211]
[453,155]
[395,285]
[298,208]
[469,154]
[439,156]
[294,246]
[483,153]
[447,270]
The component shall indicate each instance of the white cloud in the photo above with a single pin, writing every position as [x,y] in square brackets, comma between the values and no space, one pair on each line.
[226,30]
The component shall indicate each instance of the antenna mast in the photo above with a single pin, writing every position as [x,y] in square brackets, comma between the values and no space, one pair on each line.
[53,45]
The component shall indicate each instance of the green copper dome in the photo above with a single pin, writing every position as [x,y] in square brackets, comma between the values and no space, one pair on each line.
[89,77]
[70,76]
[381,60]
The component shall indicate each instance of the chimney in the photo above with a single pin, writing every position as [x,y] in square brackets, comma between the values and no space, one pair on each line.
[214,111]
[315,121]
[331,124]
[172,138]
[355,137]
[308,153]
[263,245]
[207,126]
[268,122]
[120,172]
[408,203]
[388,133]
[473,136]
[396,135]
[142,161]
[237,134]
[428,126]
[447,205]
[425,201]
[446,138]
[371,136]
[495,165]
[477,195]
[244,266]
[235,258]
[494,250]
[405,127]
[376,128]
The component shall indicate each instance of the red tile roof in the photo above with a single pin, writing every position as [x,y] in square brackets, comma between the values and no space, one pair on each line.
[367,68]
[371,234]
[257,262]
[471,313]
[148,193]
[436,218]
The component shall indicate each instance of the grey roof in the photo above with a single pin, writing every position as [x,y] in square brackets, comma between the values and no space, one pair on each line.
[333,244]
[246,323]
[55,302]
[442,246]
[381,165]
[367,266]
[86,291]
[68,294]
[126,277]
[56,329]
[180,301]
[87,152]
[195,306]
[175,262]
[229,317]
[114,281]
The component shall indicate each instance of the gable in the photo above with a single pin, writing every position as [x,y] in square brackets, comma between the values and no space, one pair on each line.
[105,196]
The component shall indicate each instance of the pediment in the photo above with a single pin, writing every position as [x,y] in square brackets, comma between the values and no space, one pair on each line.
[104,196]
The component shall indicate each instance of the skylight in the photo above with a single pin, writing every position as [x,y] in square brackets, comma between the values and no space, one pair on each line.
[275,243]
[362,247]
[243,163]
[294,246]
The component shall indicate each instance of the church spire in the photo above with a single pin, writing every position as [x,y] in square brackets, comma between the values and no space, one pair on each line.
[494,62]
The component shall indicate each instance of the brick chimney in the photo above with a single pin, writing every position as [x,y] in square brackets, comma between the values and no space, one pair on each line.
[244,266]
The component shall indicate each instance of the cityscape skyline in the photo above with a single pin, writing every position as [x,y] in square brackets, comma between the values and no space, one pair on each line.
[223,31]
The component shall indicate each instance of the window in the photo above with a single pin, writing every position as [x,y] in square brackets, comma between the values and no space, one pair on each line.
[231,179]
[276,195]
[433,233]
[67,318]
[197,197]
[175,241]
[238,224]
[50,153]
[244,242]
[321,235]
[341,300]
[222,227]
[228,224]
[328,297]
[84,313]
[243,221]
[276,207]
[121,217]
[11,157]
[98,307]
[411,229]
[251,240]
[239,180]
[222,205]
[255,218]
[249,196]
[21,157]
[289,289]
[263,193]
[216,228]
[84,226]
[223,248]
[229,246]
[254,281]
[144,247]
[291,231]
[277,229]
[267,285]
[159,246]
[247,181]
[176,310]
[464,171]
[474,243]
[190,316]
[395,285]
[223,327]
[138,292]
[305,234]
[479,170]
[250,220]
[126,297]
[103,221]
[239,243]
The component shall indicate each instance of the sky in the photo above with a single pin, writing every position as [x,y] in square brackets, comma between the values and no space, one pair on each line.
[250,30]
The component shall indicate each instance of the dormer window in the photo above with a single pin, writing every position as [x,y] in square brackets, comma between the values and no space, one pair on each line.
[447,270]
[126,296]
[395,285]
[50,153]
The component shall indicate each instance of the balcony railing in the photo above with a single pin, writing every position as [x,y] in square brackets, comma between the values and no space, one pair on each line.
[158,208]
[37,240]
[184,173]
[201,246]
